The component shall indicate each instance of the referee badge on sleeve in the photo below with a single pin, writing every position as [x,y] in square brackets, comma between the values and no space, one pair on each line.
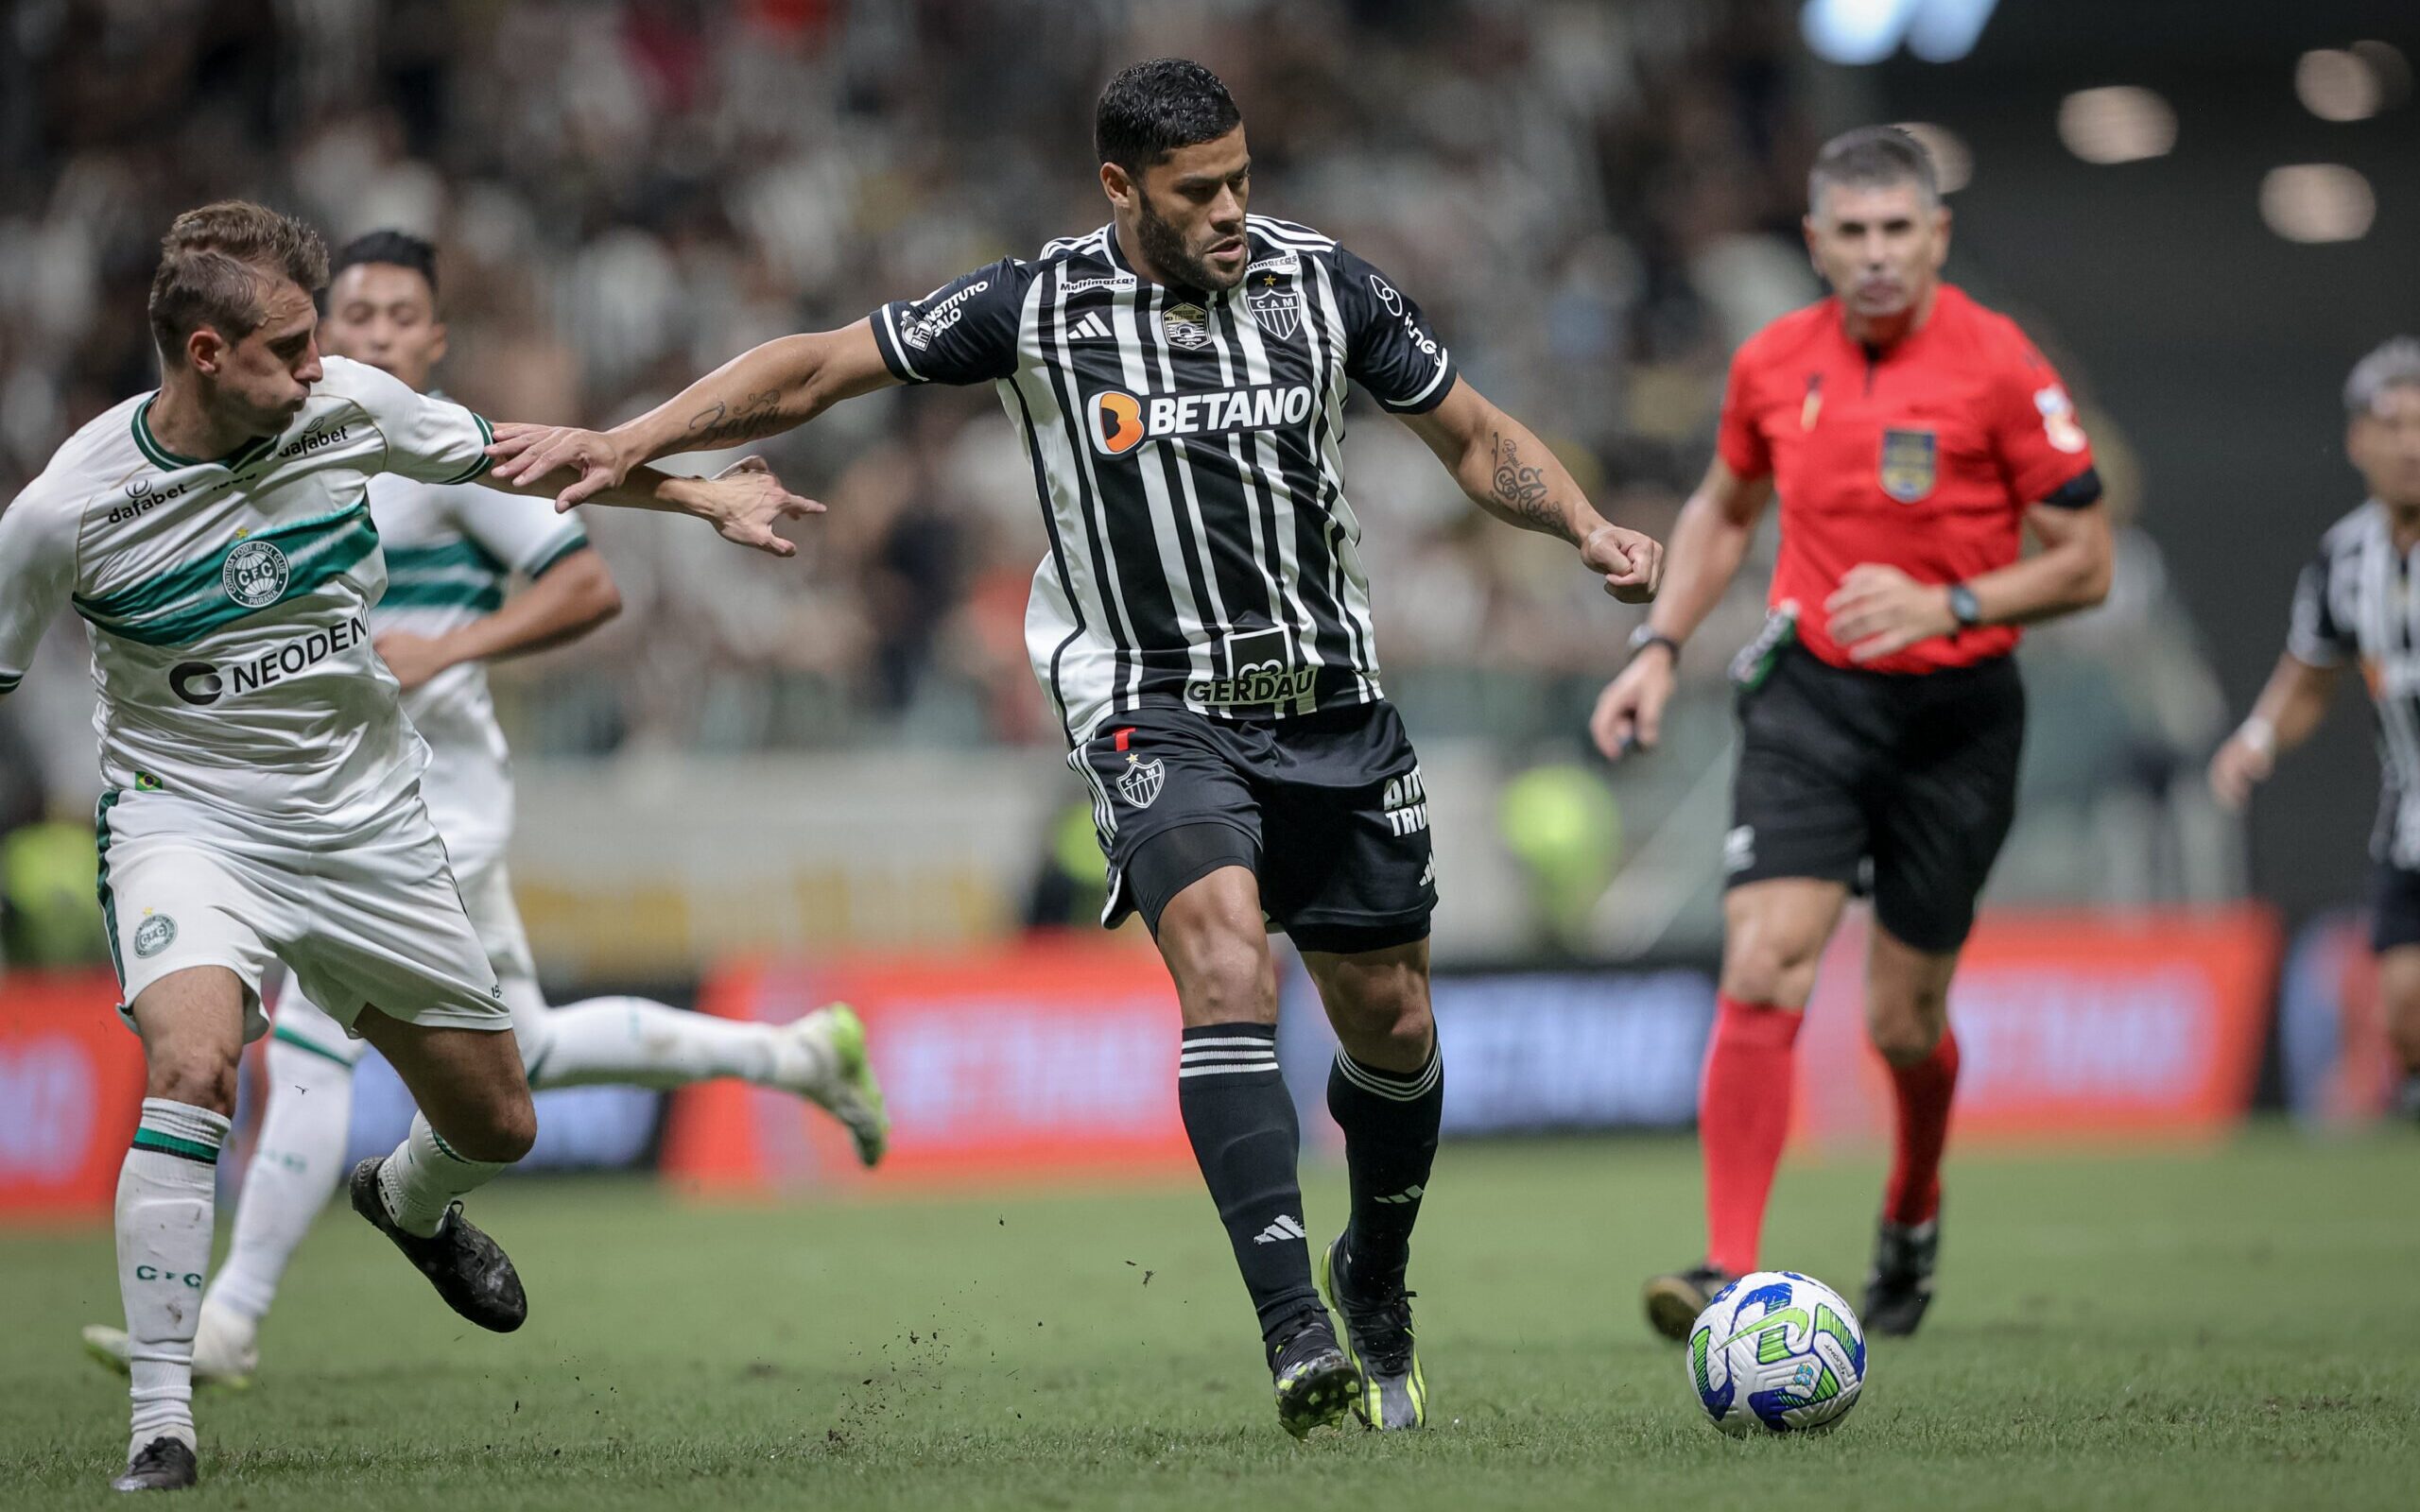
[1910,461]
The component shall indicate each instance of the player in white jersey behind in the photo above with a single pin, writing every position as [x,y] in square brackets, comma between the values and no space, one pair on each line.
[445,615]
[263,798]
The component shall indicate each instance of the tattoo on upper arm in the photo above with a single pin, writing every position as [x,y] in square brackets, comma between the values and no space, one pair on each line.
[719,424]
[1522,490]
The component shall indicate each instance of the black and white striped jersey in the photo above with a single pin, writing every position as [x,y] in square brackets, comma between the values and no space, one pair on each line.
[2359,600]
[1185,447]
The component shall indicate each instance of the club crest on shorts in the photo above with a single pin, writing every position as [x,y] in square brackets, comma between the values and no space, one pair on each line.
[1277,311]
[255,575]
[1186,325]
[155,933]
[1911,459]
[1141,782]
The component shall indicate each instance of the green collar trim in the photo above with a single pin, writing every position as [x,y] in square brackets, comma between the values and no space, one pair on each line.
[168,461]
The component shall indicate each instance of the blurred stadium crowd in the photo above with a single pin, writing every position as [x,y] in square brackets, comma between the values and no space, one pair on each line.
[1596,202]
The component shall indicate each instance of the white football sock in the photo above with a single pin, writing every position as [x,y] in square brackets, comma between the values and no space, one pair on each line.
[634,1042]
[295,1168]
[423,1177]
[165,1198]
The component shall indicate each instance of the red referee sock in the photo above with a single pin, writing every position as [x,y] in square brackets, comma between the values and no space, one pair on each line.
[1743,1117]
[1913,1195]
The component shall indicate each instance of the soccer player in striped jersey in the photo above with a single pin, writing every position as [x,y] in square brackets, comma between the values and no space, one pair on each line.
[1201,626]
[450,550]
[2356,604]
[263,796]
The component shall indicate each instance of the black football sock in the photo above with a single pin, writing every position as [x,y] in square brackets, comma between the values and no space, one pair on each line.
[1389,1120]
[1245,1137]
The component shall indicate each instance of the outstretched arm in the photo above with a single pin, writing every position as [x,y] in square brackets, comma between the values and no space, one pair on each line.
[1507,471]
[743,502]
[761,392]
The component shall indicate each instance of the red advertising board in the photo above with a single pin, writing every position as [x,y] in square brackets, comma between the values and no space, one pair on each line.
[71,1090]
[2070,1024]
[1046,1060]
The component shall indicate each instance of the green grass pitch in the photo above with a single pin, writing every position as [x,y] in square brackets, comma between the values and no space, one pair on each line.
[2232,1329]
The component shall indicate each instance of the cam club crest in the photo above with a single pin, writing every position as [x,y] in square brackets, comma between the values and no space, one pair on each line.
[1910,461]
[256,574]
[1186,325]
[1141,782]
[1278,311]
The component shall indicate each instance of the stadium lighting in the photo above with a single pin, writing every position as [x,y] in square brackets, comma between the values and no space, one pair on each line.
[2317,202]
[1953,162]
[1867,31]
[2389,67]
[2336,85]
[1944,31]
[2116,123]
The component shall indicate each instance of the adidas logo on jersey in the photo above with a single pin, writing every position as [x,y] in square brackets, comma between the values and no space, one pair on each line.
[1277,1233]
[1091,328]
[1120,421]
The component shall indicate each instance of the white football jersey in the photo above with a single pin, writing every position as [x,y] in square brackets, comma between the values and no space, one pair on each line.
[228,601]
[449,554]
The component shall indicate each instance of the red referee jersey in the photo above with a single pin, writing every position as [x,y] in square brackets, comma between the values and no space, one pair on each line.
[1922,456]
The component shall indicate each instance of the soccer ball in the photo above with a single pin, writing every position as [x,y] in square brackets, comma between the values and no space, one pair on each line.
[1778,1351]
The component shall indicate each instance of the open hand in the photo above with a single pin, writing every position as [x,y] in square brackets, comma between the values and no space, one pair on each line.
[745,501]
[524,454]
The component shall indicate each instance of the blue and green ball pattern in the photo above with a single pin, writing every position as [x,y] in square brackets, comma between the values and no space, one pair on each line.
[1778,1351]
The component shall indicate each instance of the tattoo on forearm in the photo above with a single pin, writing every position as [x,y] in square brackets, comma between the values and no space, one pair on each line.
[719,424]
[1521,491]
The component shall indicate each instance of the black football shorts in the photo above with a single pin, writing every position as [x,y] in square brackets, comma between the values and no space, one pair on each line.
[1914,774]
[1327,809]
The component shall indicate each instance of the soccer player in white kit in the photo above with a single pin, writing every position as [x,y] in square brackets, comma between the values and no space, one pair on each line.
[450,550]
[262,784]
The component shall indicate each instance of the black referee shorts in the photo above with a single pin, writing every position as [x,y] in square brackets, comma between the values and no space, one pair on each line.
[1326,809]
[1915,773]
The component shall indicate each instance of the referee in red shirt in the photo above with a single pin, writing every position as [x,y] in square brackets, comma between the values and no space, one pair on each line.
[1911,435]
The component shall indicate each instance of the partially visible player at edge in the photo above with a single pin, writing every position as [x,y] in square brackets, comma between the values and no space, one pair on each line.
[263,795]
[1201,625]
[444,614]
[2354,604]
[1911,435]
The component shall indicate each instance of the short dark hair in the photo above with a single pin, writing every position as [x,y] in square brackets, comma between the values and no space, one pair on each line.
[1151,109]
[2394,365]
[1873,156]
[390,248]
[218,265]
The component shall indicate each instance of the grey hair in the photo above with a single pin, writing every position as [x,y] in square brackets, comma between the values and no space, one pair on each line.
[2396,362]
[1873,156]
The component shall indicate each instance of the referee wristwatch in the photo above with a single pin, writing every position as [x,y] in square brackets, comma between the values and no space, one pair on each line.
[1647,635]
[1964,607]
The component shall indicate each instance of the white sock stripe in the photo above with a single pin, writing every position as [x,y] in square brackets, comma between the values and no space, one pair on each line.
[1399,1091]
[1192,1056]
[1269,1068]
[1270,1040]
[184,1120]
